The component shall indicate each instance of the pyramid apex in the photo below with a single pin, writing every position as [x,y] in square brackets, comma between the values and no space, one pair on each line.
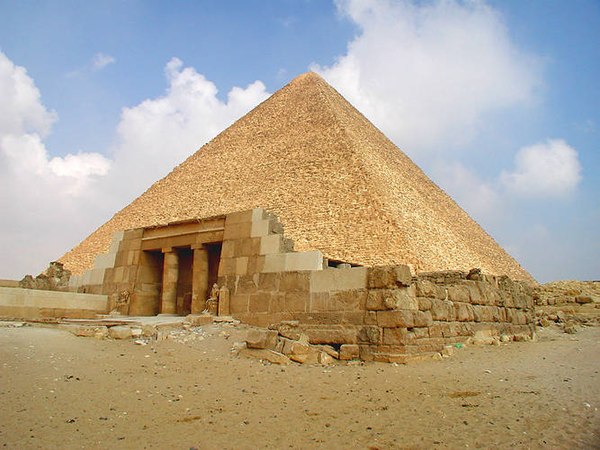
[307,77]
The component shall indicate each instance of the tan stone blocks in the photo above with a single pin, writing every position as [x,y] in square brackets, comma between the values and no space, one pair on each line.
[397,336]
[239,303]
[425,304]
[338,279]
[332,334]
[250,215]
[425,288]
[255,264]
[274,263]
[382,277]
[399,298]
[349,351]
[458,293]
[319,301]
[270,245]
[354,300]
[260,228]
[247,247]
[370,335]
[246,285]
[294,282]
[296,301]
[228,249]
[393,319]
[312,260]
[227,267]
[237,230]
[422,318]
[241,265]
[259,303]
[269,281]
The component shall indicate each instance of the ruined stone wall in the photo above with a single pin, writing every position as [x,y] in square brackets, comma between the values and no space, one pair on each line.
[384,313]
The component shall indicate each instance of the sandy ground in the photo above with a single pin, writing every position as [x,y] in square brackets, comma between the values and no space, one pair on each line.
[67,392]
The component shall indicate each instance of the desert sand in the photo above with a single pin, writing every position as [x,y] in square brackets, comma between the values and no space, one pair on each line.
[62,391]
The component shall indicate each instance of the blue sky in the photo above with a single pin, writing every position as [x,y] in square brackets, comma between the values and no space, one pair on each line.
[497,101]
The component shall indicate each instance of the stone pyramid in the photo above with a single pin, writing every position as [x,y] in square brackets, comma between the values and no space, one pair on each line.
[335,181]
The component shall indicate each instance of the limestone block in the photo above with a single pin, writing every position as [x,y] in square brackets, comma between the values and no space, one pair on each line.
[294,282]
[325,359]
[87,276]
[244,216]
[246,285]
[463,312]
[425,304]
[237,230]
[274,263]
[370,318]
[442,310]
[105,260]
[117,237]
[197,320]
[228,249]
[256,264]
[238,303]
[268,281]
[261,338]
[422,318]
[349,351]
[266,355]
[120,332]
[425,288]
[338,279]
[319,302]
[392,319]
[241,265]
[353,300]
[312,260]
[458,293]
[397,336]
[370,334]
[247,247]
[389,277]
[260,228]
[227,267]
[270,245]
[259,303]
[296,301]
[331,334]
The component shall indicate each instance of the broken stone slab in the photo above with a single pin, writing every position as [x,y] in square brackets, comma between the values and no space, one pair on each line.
[266,355]
[98,332]
[349,351]
[197,320]
[261,339]
[583,299]
[120,332]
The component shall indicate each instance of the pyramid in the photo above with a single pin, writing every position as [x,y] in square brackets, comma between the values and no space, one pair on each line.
[333,179]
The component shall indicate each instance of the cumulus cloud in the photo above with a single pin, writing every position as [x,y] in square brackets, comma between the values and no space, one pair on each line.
[427,73]
[547,169]
[49,202]
[163,131]
[101,60]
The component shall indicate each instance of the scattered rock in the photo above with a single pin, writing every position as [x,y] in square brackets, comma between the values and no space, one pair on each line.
[261,338]
[265,355]
[120,332]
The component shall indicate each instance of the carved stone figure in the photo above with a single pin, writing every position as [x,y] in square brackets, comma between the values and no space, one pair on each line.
[212,304]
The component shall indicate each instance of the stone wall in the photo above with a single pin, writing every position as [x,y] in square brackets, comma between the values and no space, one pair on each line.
[32,304]
[375,313]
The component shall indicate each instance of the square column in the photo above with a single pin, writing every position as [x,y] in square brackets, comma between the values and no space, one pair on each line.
[168,301]
[199,279]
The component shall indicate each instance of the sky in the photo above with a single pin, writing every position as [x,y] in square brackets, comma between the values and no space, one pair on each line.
[497,101]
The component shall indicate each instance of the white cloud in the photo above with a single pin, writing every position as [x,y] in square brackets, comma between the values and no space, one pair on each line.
[49,203]
[427,73]
[163,131]
[101,60]
[548,169]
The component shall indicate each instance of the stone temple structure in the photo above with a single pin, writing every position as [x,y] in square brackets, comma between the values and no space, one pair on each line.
[302,216]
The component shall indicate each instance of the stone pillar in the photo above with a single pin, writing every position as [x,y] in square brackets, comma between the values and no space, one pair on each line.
[223,301]
[199,279]
[168,301]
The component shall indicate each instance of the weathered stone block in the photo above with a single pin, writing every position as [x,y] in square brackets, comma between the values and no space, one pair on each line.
[349,351]
[237,230]
[392,319]
[238,303]
[120,332]
[370,335]
[296,301]
[331,334]
[294,282]
[425,288]
[397,336]
[312,260]
[258,338]
[424,303]
[274,263]
[319,301]
[271,244]
[338,279]
[422,318]
[260,228]
[266,355]
[458,293]
[353,300]
[442,310]
[241,265]
[228,249]
[388,277]
[259,303]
